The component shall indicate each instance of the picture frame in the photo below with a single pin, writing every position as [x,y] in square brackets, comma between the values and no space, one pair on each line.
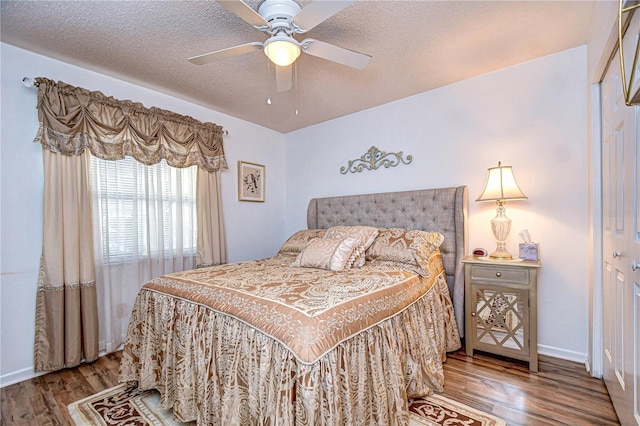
[251,182]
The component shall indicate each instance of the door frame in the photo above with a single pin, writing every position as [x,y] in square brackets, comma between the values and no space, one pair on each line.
[594,362]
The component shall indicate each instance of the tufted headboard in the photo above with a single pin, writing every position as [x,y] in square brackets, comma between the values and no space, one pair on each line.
[443,210]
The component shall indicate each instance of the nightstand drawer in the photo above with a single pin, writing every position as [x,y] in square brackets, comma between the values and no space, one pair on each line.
[500,274]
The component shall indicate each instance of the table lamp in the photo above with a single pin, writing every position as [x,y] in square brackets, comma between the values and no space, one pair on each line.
[501,186]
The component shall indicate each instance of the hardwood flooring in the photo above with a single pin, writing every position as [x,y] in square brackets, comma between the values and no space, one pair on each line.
[561,393]
[43,401]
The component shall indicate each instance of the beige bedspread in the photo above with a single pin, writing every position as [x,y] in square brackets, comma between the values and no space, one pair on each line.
[262,342]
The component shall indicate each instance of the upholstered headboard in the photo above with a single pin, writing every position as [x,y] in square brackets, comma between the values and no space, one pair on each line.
[443,210]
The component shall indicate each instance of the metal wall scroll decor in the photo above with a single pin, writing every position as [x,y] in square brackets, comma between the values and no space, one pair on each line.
[373,159]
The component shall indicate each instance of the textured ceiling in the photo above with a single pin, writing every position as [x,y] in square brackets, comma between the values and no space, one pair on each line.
[416,46]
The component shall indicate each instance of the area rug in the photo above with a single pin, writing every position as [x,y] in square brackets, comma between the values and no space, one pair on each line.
[126,405]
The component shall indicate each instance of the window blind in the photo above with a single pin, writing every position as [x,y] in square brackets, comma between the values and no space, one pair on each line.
[144,211]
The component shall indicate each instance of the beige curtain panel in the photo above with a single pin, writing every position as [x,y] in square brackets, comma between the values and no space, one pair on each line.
[66,307]
[73,119]
[212,249]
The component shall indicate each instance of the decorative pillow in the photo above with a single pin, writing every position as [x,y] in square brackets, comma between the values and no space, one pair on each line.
[423,245]
[331,253]
[411,247]
[298,241]
[365,235]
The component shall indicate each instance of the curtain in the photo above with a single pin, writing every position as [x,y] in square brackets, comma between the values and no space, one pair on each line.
[74,122]
[72,119]
[144,227]
[211,238]
[66,307]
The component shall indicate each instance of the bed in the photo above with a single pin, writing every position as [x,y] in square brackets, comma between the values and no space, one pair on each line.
[307,337]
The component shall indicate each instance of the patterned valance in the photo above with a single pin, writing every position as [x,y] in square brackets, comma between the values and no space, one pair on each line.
[72,119]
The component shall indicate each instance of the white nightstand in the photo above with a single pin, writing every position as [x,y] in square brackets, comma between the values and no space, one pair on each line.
[501,308]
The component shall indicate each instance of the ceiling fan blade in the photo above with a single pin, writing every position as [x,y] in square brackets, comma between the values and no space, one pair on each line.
[283,78]
[244,11]
[225,53]
[316,12]
[333,53]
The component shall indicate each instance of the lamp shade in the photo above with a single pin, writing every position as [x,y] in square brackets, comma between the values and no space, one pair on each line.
[282,50]
[501,185]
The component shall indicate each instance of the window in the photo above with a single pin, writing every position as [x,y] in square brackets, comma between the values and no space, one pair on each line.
[143,211]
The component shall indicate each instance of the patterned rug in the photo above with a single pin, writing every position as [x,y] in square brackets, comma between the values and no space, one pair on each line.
[123,405]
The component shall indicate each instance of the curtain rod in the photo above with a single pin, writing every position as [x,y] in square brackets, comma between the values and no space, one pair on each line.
[30,82]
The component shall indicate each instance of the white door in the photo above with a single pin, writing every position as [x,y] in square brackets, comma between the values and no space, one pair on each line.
[621,239]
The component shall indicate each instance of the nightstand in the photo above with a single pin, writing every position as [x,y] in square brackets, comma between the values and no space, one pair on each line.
[501,308]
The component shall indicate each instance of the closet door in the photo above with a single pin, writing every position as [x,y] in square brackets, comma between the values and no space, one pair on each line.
[621,239]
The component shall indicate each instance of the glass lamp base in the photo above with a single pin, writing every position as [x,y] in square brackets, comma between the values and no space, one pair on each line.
[501,226]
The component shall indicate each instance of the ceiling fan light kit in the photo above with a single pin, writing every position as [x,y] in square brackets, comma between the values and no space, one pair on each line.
[282,49]
[281,19]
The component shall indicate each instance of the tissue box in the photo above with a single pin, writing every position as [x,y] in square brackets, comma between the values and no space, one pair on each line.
[529,251]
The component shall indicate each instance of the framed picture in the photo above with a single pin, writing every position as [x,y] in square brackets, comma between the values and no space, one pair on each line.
[250,181]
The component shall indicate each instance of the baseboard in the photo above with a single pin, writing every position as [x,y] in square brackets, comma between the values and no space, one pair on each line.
[19,376]
[563,354]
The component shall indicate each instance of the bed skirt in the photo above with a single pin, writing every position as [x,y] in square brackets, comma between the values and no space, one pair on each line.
[213,369]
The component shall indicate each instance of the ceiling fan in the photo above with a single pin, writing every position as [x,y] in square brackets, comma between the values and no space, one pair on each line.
[282,19]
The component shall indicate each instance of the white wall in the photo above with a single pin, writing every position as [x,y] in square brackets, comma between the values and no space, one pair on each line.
[254,230]
[532,116]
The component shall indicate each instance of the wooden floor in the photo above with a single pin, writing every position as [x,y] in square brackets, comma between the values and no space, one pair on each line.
[561,393]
